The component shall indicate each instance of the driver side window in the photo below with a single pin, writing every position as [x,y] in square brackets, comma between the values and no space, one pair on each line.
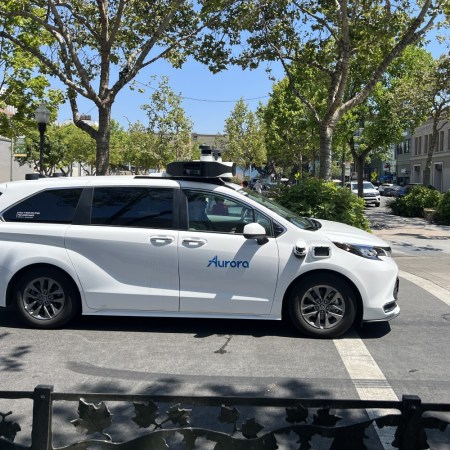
[214,212]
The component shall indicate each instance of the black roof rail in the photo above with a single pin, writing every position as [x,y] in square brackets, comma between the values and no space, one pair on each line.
[211,180]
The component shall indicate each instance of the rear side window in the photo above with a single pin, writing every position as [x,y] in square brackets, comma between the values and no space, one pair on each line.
[51,206]
[140,207]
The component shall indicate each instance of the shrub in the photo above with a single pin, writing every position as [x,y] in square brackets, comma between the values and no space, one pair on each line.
[323,200]
[443,210]
[414,202]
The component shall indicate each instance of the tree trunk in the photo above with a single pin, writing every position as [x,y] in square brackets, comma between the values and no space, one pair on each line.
[359,160]
[326,140]
[359,165]
[102,140]
[427,170]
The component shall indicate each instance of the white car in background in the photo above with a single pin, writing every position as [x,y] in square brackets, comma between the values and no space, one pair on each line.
[370,192]
[188,244]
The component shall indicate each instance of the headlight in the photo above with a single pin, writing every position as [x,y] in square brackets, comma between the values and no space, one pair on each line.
[366,251]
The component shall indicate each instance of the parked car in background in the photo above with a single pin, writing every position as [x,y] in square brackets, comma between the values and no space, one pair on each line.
[370,192]
[383,186]
[391,191]
[407,188]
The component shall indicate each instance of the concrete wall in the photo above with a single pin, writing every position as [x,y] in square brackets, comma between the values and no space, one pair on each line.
[17,172]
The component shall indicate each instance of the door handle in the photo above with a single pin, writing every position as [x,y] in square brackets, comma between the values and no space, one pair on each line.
[194,242]
[161,240]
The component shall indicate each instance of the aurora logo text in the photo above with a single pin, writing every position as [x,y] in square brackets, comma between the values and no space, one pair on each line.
[216,262]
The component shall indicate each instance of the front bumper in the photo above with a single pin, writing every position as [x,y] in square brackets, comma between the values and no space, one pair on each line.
[388,311]
[370,200]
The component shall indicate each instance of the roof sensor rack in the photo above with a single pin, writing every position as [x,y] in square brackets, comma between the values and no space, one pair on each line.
[210,165]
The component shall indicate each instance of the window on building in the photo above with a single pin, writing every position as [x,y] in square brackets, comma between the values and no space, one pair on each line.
[408,146]
[419,151]
[416,174]
[50,206]
[441,142]
[416,145]
[399,148]
[426,144]
[448,139]
[140,207]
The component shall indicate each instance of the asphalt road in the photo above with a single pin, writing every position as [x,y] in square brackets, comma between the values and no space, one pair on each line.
[409,355]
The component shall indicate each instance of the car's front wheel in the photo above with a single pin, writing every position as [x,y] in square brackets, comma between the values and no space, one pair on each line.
[46,298]
[322,306]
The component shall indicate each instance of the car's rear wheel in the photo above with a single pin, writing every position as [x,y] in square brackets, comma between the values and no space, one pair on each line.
[322,306]
[377,204]
[46,298]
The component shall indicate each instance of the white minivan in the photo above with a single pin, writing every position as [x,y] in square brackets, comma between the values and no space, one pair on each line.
[188,244]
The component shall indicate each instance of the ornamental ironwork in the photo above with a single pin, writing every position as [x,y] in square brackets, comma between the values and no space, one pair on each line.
[299,423]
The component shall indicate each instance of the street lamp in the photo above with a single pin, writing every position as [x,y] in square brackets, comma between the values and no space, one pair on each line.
[42,117]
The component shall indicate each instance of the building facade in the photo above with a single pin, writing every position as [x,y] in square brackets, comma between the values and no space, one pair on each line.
[9,167]
[408,160]
[440,162]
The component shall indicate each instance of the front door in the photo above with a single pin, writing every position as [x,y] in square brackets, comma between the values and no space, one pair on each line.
[221,271]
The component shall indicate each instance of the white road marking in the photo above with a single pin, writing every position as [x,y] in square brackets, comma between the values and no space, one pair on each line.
[438,291]
[369,380]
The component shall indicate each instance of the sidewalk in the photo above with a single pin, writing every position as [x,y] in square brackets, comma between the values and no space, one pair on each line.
[418,247]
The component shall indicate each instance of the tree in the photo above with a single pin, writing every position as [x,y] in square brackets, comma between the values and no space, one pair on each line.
[291,140]
[169,125]
[245,137]
[393,107]
[21,91]
[436,89]
[325,41]
[64,145]
[96,48]
[140,148]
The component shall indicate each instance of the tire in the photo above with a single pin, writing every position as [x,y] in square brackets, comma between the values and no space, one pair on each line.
[316,316]
[46,298]
[377,204]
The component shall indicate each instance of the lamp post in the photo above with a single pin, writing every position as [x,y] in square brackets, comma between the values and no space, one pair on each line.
[42,117]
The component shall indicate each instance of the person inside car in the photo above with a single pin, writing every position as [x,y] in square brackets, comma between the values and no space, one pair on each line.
[198,220]
[219,208]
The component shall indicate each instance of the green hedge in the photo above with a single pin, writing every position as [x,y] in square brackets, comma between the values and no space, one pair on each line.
[443,210]
[415,201]
[323,200]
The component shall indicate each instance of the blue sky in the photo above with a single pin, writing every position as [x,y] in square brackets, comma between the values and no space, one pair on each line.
[208,99]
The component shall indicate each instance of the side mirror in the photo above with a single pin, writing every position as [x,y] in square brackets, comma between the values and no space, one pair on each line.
[255,231]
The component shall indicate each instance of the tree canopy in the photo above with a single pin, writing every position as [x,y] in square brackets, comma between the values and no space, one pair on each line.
[324,42]
[244,135]
[95,48]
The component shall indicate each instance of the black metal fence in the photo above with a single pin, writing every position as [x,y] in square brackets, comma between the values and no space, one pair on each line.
[163,422]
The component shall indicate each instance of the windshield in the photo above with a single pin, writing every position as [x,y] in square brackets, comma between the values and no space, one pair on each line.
[366,185]
[301,222]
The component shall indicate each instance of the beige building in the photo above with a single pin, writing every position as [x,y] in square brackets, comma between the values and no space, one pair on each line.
[9,168]
[440,163]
